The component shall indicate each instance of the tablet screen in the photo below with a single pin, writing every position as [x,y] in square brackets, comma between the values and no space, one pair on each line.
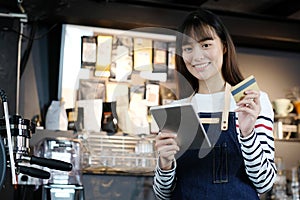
[183,120]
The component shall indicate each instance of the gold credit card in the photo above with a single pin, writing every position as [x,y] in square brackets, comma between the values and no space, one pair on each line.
[238,91]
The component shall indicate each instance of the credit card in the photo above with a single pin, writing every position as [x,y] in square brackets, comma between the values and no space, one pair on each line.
[238,91]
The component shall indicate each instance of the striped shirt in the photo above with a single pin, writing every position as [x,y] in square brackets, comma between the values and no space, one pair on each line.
[257,148]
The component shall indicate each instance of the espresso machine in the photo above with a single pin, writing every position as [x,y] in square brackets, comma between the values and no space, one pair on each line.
[15,158]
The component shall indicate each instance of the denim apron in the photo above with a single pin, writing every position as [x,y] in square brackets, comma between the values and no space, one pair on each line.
[220,174]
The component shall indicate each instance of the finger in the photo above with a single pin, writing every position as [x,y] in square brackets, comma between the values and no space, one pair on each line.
[250,103]
[166,154]
[166,145]
[247,103]
[165,140]
[251,100]
[166,148]
[247,109]
[166,137]
[162,146]
[169,156]
[256,92]
[252,111]
[163,135]
[252,94]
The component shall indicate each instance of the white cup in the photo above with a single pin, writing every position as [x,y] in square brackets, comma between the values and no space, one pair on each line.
[283,106]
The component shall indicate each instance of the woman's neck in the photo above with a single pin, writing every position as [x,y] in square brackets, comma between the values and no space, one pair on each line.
[211,86]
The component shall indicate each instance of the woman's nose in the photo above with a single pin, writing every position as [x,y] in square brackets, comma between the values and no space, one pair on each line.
[198,53]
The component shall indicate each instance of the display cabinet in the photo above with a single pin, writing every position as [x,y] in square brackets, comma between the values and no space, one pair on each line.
[287,127]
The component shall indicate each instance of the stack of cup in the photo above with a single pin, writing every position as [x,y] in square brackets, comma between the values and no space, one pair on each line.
[283,106]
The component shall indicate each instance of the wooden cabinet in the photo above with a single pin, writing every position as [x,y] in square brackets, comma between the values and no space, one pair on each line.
[118,187]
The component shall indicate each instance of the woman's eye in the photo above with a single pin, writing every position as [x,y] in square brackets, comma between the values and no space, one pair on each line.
[205,45]
[187,49]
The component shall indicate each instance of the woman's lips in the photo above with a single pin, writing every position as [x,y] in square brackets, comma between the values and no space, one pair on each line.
[201,67]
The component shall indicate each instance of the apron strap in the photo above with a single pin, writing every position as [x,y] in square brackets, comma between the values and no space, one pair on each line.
[225,113]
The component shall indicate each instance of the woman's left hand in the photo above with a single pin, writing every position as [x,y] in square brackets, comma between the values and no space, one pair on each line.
[248,111]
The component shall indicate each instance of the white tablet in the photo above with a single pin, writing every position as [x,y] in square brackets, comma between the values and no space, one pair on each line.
[183,120]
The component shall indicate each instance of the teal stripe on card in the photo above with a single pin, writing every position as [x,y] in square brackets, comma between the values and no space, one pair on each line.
[242,87]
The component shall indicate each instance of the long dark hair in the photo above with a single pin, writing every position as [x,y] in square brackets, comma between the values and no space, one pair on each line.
[196,25]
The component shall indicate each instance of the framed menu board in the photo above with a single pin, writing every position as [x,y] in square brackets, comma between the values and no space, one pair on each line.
[160,56]
[104,49]
[89,51]
[142,54]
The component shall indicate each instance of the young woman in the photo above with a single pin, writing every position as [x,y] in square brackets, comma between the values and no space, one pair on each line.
[241,163]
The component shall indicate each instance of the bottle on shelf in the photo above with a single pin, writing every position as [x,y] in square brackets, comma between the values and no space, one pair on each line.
[295,184]
[279,190]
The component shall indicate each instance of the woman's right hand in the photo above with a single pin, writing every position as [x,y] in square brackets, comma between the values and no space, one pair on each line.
[166,146]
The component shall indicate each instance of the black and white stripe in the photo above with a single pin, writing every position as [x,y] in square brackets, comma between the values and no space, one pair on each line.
[257,149]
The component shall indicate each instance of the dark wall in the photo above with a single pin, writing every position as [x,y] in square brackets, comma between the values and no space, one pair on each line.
[44,59]
[246,30]
[8,60]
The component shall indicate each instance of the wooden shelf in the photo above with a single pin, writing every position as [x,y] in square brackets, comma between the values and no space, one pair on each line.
[288,140]
[290,115]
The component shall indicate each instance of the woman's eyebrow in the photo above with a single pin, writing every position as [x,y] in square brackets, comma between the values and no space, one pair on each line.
[205,39]
[188,42]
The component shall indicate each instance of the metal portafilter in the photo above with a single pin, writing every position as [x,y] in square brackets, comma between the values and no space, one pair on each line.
[34,172]
[47,162]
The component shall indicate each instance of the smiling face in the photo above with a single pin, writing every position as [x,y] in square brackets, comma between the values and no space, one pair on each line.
[203,55]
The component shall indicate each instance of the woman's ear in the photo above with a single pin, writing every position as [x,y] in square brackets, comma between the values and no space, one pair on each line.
[224,49]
